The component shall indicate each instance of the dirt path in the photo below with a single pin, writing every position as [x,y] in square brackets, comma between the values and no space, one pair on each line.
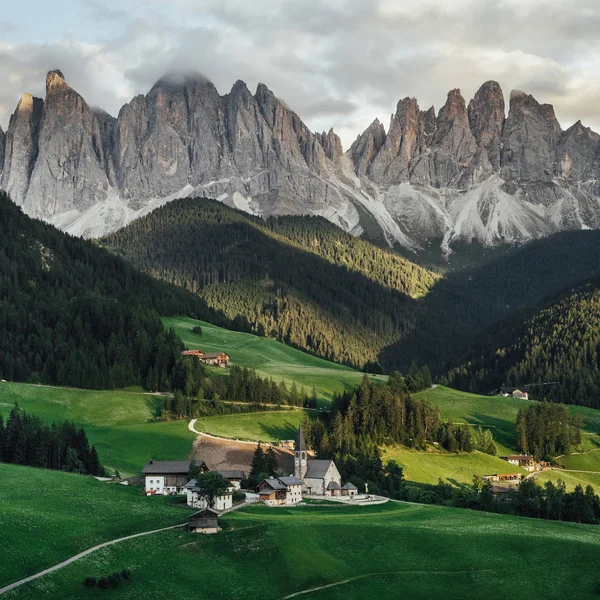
[16,584]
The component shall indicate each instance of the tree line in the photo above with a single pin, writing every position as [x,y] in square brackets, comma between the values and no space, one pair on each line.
[546,430]
[26,440]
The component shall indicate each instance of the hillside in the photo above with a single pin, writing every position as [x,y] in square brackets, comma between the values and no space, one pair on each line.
[555,352]
[74,314]
[78,512]
[269,358]
[300,280]
[426,551]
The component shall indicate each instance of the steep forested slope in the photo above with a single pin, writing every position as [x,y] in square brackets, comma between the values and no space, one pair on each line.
[558,346]
[73,314]
[463,305]
[299,279]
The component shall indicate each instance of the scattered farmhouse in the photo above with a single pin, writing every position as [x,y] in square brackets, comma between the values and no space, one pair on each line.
[217,359]
[287,444]
[521,460]
[196,499]
[502,491]
[320,477]
[280,491]
[234,478]
[164,477]
[204,521]
[512,392]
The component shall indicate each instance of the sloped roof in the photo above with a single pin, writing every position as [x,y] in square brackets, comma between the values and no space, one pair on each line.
[349,486]
[274,483]
[168,467]
[202,511]
[291,481]
[231,474]
[300,445]
[333,485]
[214,355]
[317,469]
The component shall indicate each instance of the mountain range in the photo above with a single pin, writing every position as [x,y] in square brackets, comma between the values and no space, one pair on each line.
[466,173]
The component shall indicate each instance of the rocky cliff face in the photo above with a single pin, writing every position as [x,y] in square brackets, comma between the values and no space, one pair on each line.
[468,172]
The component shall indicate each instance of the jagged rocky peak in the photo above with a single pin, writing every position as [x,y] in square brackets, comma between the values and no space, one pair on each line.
[578,154]
[366,146]
[486,118]
[55,79]
[530,136]
[332,145]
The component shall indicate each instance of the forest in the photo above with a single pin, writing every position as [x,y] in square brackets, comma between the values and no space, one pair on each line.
[300,280]
[73,314]
[26,440]
[554,352]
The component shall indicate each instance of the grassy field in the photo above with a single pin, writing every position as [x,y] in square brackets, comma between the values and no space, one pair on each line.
[570,478]
[48,516]
[268,357]
[115,421]
[496,413]
[261,427]
[457,469]
[386,551]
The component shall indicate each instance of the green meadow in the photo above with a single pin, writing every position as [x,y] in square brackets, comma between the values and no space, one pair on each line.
[393,550]
[48,516]
[116,422]
[269,358]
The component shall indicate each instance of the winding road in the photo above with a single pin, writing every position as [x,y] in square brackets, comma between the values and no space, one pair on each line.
[67,562]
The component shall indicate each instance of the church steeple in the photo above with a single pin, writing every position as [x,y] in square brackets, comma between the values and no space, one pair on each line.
[300,459]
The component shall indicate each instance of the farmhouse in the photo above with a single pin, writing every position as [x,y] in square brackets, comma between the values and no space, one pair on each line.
[320,477]
[288,444]
[196,499]
[502,491]
[503,477]
[280,491]
[204,521]
[234,478]
[163,477]
[513,392]
[521,460]
[217,359]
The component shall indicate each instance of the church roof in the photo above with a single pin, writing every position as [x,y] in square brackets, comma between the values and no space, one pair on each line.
[317,469]
[333,485]
[300,445]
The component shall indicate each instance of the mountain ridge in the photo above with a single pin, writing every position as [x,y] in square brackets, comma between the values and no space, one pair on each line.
[469,172]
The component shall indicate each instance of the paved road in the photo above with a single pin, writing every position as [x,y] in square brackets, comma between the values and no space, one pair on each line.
[81,555]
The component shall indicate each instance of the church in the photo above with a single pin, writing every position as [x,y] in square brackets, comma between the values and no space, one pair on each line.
[321,477]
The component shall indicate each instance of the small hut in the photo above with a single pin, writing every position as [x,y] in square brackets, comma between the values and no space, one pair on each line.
[204,521]
[349,489]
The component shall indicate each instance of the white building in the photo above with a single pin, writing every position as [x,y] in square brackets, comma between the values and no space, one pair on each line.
[280,491]
[196,499]
[320,477]
[166,477]
[234,478]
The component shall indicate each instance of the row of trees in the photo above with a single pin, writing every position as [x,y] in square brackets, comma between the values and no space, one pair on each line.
[26,440]
[546,430]
[551,501]
[197,392]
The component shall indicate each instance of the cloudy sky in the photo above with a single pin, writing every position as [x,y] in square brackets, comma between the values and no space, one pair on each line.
[337,63]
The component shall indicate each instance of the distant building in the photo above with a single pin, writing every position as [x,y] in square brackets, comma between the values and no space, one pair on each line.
[320,477]
[280,491]
[217,359]
[513,392]
[502,491]
[204,521]
[503,477]
[288,444]
[521,460]
[234,478]
[196,499]
[164,477]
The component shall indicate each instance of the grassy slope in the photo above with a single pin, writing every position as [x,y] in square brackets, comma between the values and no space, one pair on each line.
[412,550]
[263,426]
[115,421]
[48,516]
[268,357]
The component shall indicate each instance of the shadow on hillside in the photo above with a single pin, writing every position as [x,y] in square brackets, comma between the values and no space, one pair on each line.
[504,431]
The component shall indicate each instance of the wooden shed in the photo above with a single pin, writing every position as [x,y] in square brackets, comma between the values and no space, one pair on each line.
[204,521]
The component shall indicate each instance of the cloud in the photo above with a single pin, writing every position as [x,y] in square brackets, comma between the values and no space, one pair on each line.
[337,63]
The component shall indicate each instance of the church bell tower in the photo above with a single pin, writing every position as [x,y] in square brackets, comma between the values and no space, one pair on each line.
[300,460]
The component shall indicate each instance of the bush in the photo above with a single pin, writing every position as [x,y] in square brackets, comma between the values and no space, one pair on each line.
[114,579]
[103,584]
[197,329]
[126,574]
[90,582]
